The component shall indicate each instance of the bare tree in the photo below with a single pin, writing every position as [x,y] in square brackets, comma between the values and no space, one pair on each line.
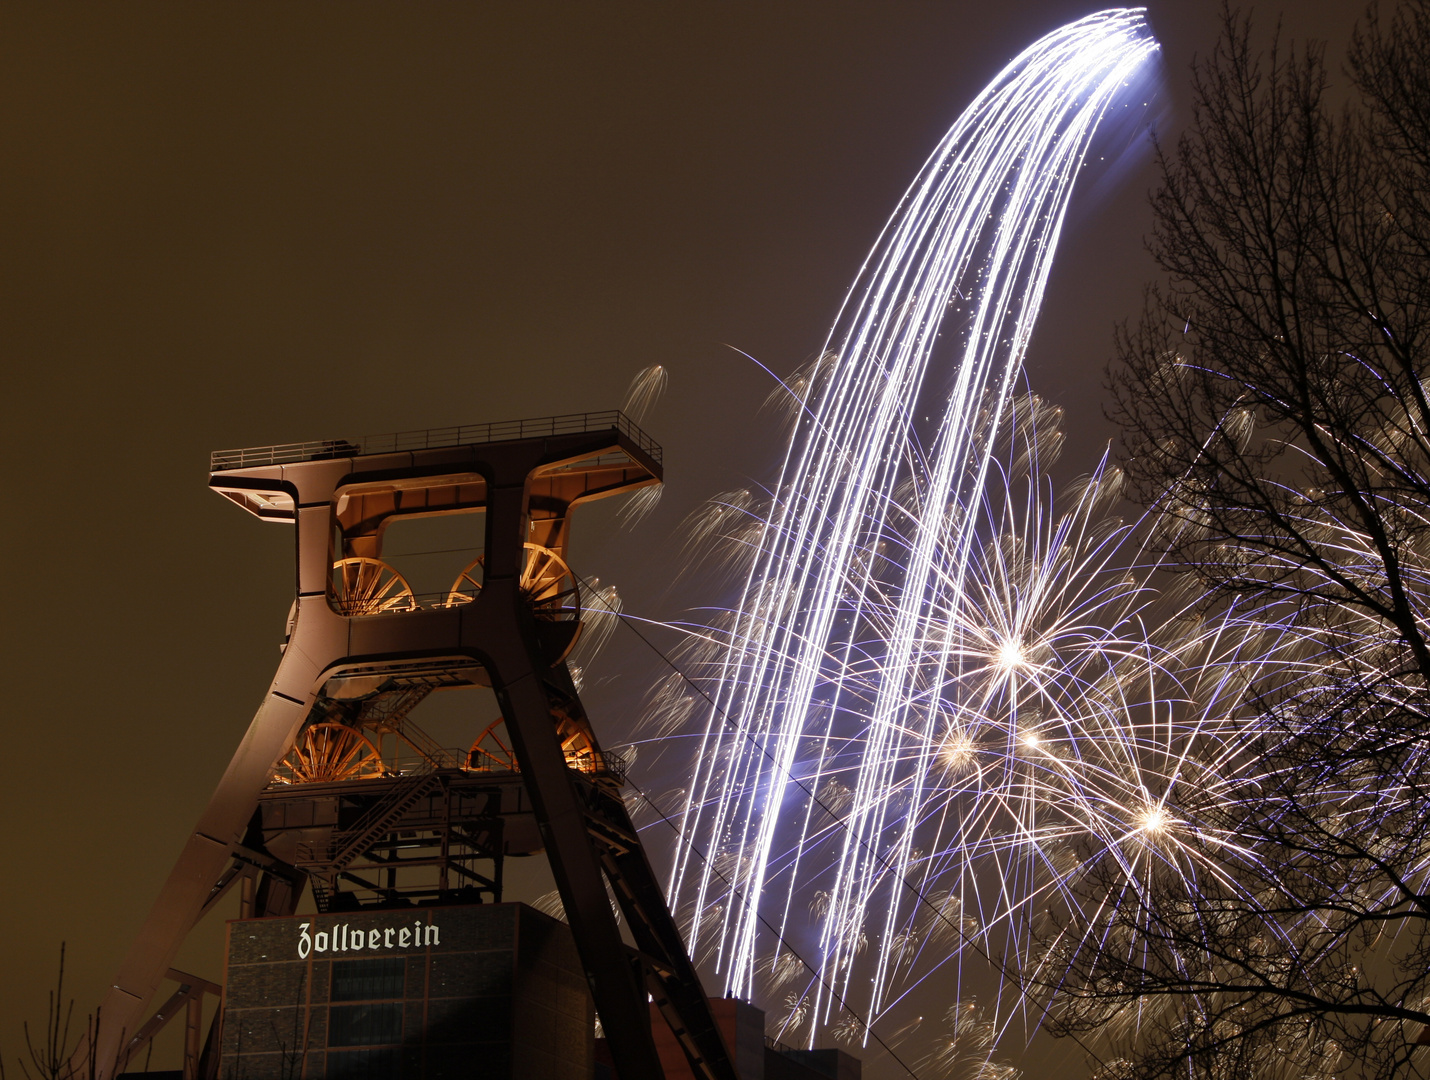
[51,1055]
[1275,415]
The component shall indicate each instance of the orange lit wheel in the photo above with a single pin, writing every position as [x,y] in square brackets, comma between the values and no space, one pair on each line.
[576,746]
[547,584]
[490,753]
[363,586]
[469,582]
[329,751]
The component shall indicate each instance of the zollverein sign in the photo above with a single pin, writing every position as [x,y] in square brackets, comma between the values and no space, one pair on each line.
[345,939]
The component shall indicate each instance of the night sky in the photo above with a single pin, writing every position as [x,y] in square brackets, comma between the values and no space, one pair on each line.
[233,225]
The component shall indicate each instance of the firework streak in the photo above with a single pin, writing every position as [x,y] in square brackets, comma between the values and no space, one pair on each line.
[874,594]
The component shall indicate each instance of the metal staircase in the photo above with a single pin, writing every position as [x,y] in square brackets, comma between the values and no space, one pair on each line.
[347,845]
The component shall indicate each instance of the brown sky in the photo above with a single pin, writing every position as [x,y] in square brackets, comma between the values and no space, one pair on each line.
[227,225]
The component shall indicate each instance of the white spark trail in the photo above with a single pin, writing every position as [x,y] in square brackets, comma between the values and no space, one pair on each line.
[967,254]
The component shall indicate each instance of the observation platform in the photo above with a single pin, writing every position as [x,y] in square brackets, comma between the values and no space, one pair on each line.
[438,438]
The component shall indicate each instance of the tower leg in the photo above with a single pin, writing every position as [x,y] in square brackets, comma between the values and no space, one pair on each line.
[674,985]
[619,996]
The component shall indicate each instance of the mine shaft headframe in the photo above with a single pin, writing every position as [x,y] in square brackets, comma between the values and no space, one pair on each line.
[355,628]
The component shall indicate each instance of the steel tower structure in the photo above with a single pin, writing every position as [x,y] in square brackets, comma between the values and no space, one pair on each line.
[309,798]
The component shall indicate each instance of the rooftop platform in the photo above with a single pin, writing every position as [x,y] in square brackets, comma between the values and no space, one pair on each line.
[436,438]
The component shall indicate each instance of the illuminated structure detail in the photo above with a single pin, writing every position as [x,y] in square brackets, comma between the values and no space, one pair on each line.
[363,586]
[316,792]
[491,750]
[329,751]
[845,633]
[547,584]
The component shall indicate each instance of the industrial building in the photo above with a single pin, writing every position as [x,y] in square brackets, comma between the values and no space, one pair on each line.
[414,967]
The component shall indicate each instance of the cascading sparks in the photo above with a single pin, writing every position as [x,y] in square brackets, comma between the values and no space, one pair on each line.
[877,519]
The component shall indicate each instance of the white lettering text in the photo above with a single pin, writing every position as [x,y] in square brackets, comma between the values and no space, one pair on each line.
[344,938]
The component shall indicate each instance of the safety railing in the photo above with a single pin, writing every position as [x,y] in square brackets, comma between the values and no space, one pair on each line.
[437,438]
[436,601]
[606,763]
[609,763]
[442,757]
[434,759]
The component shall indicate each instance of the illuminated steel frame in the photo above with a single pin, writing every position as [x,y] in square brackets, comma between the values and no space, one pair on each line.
[358,635]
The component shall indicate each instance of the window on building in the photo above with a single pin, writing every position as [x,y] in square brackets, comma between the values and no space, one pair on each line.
[365,1018]
[368,980]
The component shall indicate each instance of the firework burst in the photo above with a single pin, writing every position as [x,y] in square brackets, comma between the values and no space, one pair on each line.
[878,595]
[1075,725]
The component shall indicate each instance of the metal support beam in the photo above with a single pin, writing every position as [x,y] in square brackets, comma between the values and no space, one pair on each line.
[188,999]
[192,1023]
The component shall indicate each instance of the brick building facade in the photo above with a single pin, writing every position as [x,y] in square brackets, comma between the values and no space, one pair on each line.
[439,993]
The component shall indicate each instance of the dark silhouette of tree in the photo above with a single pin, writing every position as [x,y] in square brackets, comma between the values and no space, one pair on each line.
[1274,415]
[51,1055]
